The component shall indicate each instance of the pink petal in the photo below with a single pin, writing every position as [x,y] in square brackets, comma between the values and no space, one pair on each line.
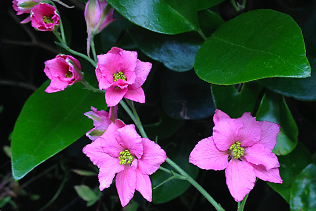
[95,152]
[126,185]
[219,115]
[240,178]
[114,95]
[225,133]
[142,70]
[110,142]
[205,155]
[129,58]
[272,175]
[129,139]
[258,154]
[153,157]
[108,170]
[250,133]
[269,133]
[143,185]
[136,95]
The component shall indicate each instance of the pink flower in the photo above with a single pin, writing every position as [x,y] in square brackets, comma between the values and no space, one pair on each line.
[121,74]
[44,17]
[63,70]
[243,147]
[24,6]
[123,152]
[98,15]
[101,121]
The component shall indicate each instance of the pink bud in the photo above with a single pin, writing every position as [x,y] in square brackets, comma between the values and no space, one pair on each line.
[44,17]
[63,71]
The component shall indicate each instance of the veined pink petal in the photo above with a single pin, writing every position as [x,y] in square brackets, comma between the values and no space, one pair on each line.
[219,115]
[108,170]
[269,133]
[129,58]
[153,156]
[110,142]
[56,86]
[129,139]
[250,133]
[114,95]
[240,178]
[95,152]
[126,185]
[143,185]
[258,154]
[205,155]
[225,133]
[272,175]
[142,70]
[136,95]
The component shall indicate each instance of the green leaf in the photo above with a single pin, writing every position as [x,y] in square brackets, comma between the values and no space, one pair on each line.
[162,16]
[255,45]
[234,102]
[177,52]
[209,21]
[48,123]
[273,108]
[290,167]
[84,172]
[87,194]
[303,191]
[204,4]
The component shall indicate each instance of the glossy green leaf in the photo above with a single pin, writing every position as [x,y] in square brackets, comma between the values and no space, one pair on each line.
[162,16]
[290,167]
[273,108]
[175,187]
[204,4]
[209,21]
[234,102]
[177,52]
[87,194]
[257,44]
[48,123]
[303,192]
[298,88]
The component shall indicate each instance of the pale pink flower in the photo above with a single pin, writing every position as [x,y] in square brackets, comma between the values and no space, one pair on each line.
[121,74]
[24,6]
[101,121]
[243,147]
[44,17]
[123,152]
[63,71]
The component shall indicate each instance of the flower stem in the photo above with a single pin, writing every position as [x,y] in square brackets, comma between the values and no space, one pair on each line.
[241,205]
[93,48]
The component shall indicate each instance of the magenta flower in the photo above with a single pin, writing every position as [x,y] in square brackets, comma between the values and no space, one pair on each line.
[121,74]
[123,152]
[101,121]
[24,6]
[63,71]
[243,147]
[44,17]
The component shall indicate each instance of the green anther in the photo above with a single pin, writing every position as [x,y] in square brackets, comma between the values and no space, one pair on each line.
[119,75]
[68,75]
[48,19]
[126,157]
[236,150]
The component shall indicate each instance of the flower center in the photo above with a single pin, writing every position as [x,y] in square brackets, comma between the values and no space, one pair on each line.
[236,150]
[126,157]
[68,75]
[48,19]
[119,75]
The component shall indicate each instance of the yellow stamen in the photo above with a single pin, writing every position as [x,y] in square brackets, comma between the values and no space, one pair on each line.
[126,157]
[68,75]
[236,150]
[119,75]
[48,19]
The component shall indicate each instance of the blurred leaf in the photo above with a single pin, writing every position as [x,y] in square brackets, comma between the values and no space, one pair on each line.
[234,103]
[87,194]
[273,108]
[177,52]
[209,21]
[48,123]
[298,88]
[162,16]
[132,206]
[4,201]
[83,172]
[290,167]
[303,191]
[185,96]
[257,44]
[204,4]
[7,150]
[175,187]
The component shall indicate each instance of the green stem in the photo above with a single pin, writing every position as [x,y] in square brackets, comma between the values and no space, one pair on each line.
[58,36]
[139,123]
[234,5]
[90,87]
[61,27]
[202,34]
[241,205]
[129,112]
[93,48]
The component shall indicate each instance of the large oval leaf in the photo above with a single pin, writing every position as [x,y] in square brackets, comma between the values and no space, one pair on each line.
[273,108]
[48,123]
[303,192]
[163,16]
[255,45]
